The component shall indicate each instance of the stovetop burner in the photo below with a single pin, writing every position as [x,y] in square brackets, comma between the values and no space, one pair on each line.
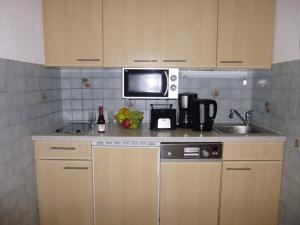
[74,128]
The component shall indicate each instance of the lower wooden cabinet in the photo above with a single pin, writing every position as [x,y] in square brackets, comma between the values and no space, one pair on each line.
[250,192]
[65,192]
[126,186]
[190,193]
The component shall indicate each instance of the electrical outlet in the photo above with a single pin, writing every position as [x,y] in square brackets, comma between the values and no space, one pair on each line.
[296,143]
[267,107]
[44,97]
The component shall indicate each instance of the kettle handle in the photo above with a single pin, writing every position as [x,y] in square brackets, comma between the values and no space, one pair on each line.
[214,103]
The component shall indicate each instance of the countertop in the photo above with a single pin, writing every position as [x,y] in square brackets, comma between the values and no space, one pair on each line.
[115,133]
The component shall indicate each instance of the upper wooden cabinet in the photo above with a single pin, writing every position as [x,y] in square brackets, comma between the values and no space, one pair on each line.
[188,32]
[159,33]
[73,32]
[245,33]
[165,33]
[131,33]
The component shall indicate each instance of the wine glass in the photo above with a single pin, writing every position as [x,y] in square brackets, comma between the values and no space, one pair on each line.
[92,119]
[110,117]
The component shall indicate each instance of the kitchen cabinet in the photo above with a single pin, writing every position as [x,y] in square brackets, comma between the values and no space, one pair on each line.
[73,32]
[164,33]
[159,33]
[188,31]
[131,33]
[245,33]
[190,193]
[250,188]
[126,185]
[65,192]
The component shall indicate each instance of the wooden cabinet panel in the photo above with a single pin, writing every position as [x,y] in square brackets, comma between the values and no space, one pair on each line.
[250,193]
[189,33]
[190,193]
[253,151]
[131,33]
[65,192]
[73,32]
[245,33]
[126,186]
[53,32]
[63,150]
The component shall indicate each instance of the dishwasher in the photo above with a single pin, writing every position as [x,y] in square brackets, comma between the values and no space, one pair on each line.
[190,180]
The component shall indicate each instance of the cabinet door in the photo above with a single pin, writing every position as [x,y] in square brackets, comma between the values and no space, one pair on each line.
[190,193]
[189,33]
[245,33]
[65,192]
[126,186]
[131,33]
[73,32]
[250,193]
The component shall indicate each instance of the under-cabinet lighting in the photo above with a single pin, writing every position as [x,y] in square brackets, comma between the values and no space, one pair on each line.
[215,73]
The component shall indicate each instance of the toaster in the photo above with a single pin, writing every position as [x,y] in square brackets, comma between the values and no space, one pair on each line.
[163,119]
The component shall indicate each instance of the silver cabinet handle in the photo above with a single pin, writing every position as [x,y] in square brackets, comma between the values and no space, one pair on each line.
[144,60]
[63,148]
[75,168]
[174,60]
[242,168]
[88,60]
[233,61]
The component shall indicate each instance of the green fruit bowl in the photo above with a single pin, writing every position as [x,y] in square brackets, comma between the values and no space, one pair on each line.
[131,120]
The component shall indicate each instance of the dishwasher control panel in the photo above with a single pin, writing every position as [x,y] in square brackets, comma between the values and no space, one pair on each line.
[191,150]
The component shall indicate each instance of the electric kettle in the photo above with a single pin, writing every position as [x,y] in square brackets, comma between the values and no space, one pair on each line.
[204,112]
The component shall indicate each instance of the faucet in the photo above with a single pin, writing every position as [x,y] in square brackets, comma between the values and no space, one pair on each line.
[246,120]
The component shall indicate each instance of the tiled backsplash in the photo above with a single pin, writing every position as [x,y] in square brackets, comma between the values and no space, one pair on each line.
[106,90]
[276,100]
[29,102]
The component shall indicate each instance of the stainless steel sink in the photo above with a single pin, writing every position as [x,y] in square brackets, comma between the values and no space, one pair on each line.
[238,129]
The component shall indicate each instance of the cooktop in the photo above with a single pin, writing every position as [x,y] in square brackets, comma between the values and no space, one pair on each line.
[74,128]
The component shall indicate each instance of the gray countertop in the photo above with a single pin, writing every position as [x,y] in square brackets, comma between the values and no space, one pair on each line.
[115,133]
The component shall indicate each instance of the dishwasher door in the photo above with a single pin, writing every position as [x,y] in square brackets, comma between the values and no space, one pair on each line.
[190,192]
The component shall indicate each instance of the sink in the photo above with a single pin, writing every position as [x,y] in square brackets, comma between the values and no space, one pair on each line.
[238,129]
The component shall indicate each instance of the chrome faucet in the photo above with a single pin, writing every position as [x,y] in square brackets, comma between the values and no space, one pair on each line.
[246,121]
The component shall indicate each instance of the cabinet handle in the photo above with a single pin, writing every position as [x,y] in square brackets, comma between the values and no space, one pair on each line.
[144,60]
[243,168]
[75,168]
[63,148]
[174,60]
[233,61]
[88,60]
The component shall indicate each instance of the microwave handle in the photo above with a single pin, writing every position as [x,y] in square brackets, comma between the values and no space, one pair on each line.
[167,86]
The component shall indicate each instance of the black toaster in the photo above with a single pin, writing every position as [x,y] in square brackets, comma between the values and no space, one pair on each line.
[162,119]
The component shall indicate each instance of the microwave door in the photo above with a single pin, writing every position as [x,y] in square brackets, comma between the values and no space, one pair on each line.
[145,84]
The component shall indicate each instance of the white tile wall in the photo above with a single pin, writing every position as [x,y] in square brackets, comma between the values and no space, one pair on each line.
[106,90]
[23,111]
[280,88]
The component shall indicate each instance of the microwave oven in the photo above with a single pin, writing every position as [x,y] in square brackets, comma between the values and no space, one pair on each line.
[150,83]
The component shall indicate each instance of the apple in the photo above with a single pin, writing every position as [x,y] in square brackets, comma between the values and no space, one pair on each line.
[126,123]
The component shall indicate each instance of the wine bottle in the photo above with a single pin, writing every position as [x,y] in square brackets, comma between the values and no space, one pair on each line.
[101,120]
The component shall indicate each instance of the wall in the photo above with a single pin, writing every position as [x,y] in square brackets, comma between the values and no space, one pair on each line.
[21,35]
[106,90]
[287,31]
[23,110]
[280,87]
